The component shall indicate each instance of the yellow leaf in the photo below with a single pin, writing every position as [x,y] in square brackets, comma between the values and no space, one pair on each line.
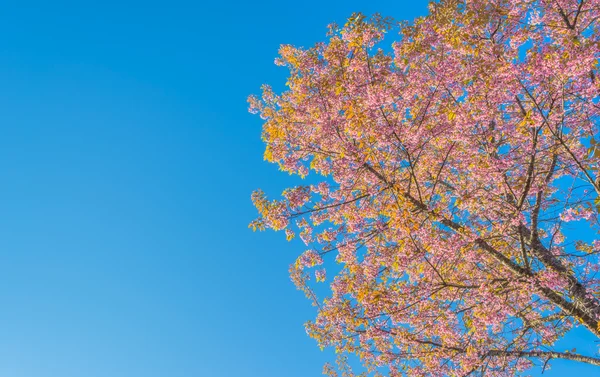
[268,155]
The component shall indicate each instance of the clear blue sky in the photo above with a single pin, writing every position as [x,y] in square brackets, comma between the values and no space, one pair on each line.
[127,159]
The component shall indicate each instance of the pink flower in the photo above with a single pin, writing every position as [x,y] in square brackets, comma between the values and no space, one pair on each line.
[320,275]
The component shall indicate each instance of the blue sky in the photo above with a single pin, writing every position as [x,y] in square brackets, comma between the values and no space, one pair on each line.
[127,159]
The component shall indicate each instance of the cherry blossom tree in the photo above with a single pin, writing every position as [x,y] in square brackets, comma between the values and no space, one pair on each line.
[454,184]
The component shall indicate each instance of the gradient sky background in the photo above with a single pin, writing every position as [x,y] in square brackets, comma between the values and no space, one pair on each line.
[127,159]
